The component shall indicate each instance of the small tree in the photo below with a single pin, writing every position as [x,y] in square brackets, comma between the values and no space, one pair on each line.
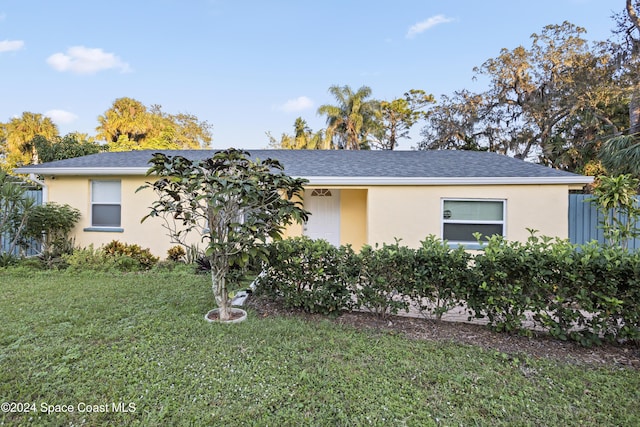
[49,225]
[234,203]
[615,199]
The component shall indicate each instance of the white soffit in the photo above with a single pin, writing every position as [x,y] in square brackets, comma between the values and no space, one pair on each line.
[342,180]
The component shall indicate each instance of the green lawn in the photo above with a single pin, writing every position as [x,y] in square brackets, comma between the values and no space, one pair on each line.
[139,342]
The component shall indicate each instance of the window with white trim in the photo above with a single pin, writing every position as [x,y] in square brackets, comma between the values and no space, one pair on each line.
[461,218]
[105,203]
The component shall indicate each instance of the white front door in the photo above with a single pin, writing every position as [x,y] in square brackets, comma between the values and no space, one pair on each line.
[324,221]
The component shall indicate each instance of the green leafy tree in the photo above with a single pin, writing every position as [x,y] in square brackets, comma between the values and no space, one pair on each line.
[236,204]
[66,147]
[49,225]
[552,102]
[397,117]
[129,125]
[534,91]
[628,55]
[351,122]
[621,154]
[615,199]
[455,123]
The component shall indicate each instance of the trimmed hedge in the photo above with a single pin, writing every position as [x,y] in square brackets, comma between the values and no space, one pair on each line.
[586,293]
[310,274]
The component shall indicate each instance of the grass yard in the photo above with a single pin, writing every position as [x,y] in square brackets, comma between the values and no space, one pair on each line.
[134,349]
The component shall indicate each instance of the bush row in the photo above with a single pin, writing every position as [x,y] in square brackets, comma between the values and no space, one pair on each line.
[320,278]
[587,293]
[115,255]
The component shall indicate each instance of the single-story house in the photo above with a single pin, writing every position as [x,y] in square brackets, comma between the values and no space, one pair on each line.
[355,197]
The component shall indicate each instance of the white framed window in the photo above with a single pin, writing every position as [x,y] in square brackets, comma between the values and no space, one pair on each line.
[461,218]
[105,203]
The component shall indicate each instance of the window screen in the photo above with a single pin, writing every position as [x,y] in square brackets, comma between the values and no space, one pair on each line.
[462,218]
[105,204]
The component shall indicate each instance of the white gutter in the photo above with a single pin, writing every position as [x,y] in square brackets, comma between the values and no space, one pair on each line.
[83,171]
[342,180]
[45,191]
[333,180]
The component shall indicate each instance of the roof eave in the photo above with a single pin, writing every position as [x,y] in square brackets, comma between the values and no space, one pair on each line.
[336,180]
[576,180]
[83,171]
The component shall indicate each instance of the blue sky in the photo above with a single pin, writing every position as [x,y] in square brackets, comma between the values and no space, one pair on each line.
[248,67]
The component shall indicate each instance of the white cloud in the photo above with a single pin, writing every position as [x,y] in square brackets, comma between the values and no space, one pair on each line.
[61,116]
[10,45]
[83,60]
[423,26]
[294,105]
[3,16]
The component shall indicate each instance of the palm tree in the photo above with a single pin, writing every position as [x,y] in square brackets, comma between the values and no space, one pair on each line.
[351,121]
[20,131]
[303,138]
[127,117]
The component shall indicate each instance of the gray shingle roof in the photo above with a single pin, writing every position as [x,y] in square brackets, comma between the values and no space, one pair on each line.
[334,163]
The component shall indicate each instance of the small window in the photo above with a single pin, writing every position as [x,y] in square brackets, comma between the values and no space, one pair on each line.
[105,204]
[462,218]
[321,192]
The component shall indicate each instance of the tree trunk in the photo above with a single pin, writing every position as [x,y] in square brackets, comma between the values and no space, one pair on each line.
[634,103]
[219,286]
[634,111]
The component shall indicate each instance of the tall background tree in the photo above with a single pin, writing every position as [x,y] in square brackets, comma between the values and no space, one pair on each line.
[541,100]
[396,118]
[129,125]
[351,122]
[69,146]
[303,138]
[621,154]
[455,123]
[18,134]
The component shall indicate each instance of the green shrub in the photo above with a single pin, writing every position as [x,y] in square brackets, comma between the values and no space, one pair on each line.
[507,285]
[89,259]
[7,259]
[33,263]
[50,225]
[176,253]
[386,278]
[311,275]
[440,275]
[554,275]
[584,293]
[607,285]
[142,256]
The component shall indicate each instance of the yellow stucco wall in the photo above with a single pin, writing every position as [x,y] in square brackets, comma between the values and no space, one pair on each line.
[76,192]
[353,217]
[371,215]
[412,213]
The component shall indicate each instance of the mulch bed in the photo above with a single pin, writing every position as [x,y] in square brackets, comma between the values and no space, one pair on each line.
[539,346]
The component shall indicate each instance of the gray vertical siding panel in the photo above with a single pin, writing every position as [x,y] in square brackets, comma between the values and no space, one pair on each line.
[33,249]
[584,222]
